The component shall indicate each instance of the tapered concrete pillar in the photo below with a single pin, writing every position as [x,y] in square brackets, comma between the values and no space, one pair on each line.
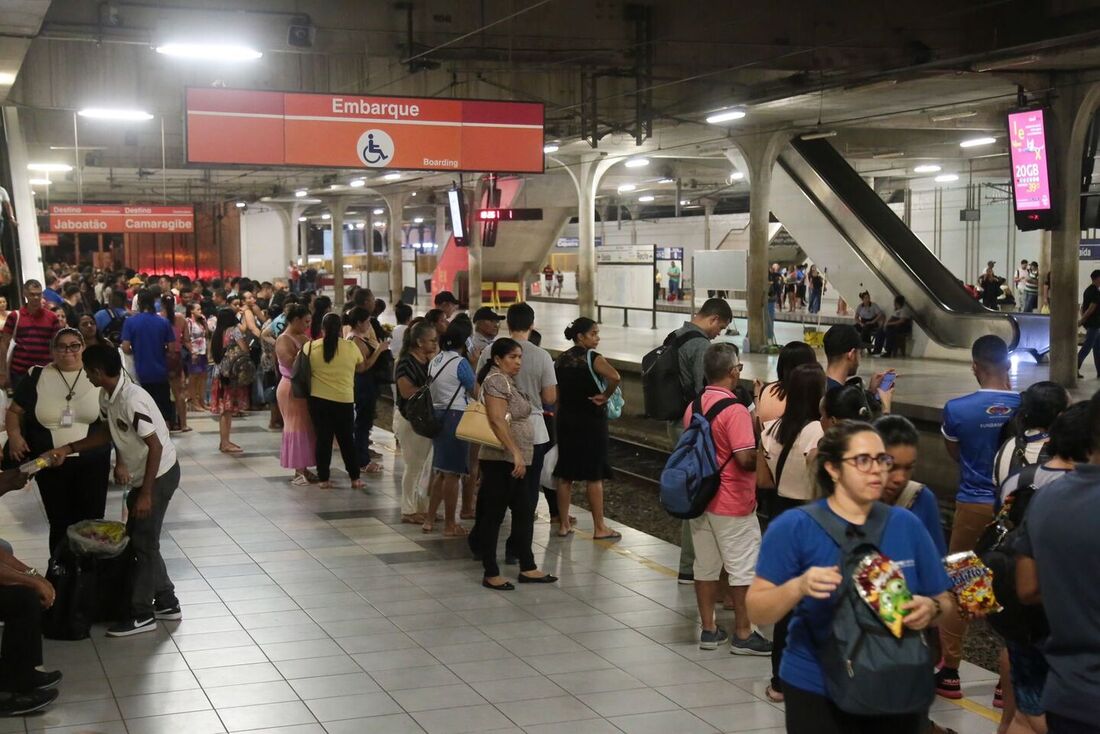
[756,155]
[586,175]
[395,205]
[30,252]
[1075,104]
[474,251]
[336,207]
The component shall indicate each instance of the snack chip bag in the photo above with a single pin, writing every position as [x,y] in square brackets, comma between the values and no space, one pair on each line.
[972,585]
[882,585]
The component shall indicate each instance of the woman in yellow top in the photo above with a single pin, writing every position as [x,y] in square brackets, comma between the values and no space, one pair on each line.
[333,362]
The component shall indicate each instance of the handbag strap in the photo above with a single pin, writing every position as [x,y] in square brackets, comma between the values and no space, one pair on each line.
[592,371]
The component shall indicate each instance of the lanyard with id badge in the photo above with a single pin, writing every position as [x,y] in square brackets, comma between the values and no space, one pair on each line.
[67,415]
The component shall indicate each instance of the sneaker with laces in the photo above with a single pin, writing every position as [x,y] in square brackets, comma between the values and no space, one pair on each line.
[711,639]
[948,684]
[169,614]
[686,578]
[754,644]
[18,704]
[132,627]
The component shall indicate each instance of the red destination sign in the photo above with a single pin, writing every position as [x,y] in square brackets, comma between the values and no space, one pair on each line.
[132,219]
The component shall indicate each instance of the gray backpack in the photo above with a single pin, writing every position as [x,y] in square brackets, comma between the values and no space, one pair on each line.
[867,670]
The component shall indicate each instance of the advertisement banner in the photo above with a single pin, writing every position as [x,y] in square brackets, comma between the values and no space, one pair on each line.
[1030,172]
[132,219]
[47,239]
[234,127]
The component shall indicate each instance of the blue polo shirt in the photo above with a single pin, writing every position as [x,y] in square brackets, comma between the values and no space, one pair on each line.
[148,335]
[49,294]
[974,422]
[795,542]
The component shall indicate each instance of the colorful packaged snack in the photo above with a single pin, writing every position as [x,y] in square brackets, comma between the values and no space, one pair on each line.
[972,585]
[882,585]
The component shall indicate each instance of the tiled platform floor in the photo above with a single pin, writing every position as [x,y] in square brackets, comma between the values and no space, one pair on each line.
[316,611]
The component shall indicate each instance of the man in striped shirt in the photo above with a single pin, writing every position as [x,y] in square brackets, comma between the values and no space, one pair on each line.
[31,327]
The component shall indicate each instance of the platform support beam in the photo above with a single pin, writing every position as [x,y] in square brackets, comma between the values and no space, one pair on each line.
[587,174]
[756,155]
[474,254]
[1074,106]
[336,207]
[395,206]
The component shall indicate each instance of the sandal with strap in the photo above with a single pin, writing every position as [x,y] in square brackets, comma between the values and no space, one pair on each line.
[458,531]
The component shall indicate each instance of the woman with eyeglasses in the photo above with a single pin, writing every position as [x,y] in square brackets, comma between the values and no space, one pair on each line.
[54,406]
[798,573]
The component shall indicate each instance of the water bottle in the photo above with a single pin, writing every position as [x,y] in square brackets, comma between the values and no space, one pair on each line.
[36,464]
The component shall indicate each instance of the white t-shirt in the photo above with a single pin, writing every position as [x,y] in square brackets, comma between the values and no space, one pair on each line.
[797,480]
[397,340]
[4,198]
[132,415]
[448,370]
[53,387]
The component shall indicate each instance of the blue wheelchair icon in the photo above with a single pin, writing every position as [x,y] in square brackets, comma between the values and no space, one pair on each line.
[372,153]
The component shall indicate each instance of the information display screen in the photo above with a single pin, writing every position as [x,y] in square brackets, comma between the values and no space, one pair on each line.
[1029,153]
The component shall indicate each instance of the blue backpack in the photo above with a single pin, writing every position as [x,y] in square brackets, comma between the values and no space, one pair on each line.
[691,475]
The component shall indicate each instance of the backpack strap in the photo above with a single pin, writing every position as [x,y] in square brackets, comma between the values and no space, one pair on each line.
[845,534]
[781,463]
[687,336]
[909,495]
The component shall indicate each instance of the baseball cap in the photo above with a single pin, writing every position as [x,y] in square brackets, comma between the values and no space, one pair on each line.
[135,281]
[487,314]
[445,297]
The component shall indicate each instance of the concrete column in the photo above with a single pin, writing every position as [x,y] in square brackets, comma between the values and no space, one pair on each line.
[301,246]
[474,251]
[708,212]
[22,202]
[1073,110]
[756,155]
[635,212]
[336,207]
[289,214]
[1044,265]
[395,205]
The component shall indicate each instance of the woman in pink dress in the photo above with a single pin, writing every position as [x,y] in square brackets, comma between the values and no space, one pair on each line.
[297,451]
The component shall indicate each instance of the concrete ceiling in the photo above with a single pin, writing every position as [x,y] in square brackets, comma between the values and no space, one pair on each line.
[889,78]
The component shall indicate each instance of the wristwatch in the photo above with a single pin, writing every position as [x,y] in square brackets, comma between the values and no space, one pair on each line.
[32,572]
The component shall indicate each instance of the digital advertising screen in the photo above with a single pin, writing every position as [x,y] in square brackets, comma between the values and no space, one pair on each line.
[1029,152]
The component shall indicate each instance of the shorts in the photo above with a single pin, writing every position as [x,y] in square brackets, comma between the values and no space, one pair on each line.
[450,455]
[1029,676]
[725,541]
[197,365]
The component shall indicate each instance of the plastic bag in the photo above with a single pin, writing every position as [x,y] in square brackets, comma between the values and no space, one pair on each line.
[549,462]
[100,538]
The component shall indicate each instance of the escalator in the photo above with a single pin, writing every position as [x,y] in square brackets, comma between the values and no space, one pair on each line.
[868,244]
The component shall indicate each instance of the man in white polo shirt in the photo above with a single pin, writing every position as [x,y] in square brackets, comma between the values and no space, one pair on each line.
[140,436]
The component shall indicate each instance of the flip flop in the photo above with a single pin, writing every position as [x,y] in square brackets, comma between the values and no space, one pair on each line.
[358,484]
[427,527]
[613,535]
[458,532]
[325,485]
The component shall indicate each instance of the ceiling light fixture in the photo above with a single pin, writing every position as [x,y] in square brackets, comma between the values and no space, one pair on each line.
[666,180]
[645,199]
[326,215]
[418,220]
[888,154]
[357,183]
[926,168]
[240,205]
[551,148]
[39,182]
[684,202]
[949,116]
[736,176]
[637,163]
[209,51]
[49,167]
[727,115]
[301,193]
[379,212]
[7,78]
[947,178]
[379,224]
[119,115]
[818,135]
[975,142]
[391,176]
[1006,63]
[303,219]
[360,225]
[624,188]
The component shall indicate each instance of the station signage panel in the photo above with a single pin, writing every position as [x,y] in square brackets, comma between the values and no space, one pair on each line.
[1029,152]
[128,219]
[240,127]
[47,239]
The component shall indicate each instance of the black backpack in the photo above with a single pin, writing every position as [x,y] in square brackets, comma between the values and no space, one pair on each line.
[88,590]
[664,396]
[1017,622]
[867,670]
[113,331]
[420,408]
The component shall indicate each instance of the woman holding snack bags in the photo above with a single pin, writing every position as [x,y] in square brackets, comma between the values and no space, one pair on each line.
[891,564]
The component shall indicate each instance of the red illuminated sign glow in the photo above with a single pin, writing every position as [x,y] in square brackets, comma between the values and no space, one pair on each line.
[129,219]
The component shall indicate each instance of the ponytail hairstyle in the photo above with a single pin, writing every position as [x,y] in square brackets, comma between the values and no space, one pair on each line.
[831,449]
[501,348]
[581,325]
[296,311]
[454,339]
[321,306]
[417,332]
[805,385]
[791,355]
[847,403]
[358,315]
[332,326]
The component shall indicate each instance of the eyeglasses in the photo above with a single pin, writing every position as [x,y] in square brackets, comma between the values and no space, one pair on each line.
[863,462]
[69,347]
[737,366]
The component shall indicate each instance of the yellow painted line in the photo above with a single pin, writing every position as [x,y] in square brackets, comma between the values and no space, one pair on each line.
[976,708]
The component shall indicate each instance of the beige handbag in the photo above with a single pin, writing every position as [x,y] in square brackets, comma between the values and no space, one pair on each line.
[474,426]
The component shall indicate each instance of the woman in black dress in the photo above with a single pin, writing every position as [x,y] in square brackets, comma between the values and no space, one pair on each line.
[585,382]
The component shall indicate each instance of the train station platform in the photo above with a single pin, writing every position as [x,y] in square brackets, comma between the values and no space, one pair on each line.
[309,611]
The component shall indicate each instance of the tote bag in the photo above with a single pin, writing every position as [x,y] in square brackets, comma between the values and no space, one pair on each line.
[474,426]
[301,374]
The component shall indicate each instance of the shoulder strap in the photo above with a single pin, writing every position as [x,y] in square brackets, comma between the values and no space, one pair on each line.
[909,495]
[687,336]
[844,533]
[431,377]
[1027,476]
[715,409]
[782,462]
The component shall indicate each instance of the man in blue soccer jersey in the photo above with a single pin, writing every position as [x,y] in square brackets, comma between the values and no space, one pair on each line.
[972,433]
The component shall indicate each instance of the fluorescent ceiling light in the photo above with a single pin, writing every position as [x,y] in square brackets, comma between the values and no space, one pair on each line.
[391,176]
[926,168]
[418,220]
[818,135]
[209,51]
[361,225]
[1006,63]
[240,205]
[975,142]
[946,178]
[39,182]
[637,163]
[623,188]
[550,148]
[334,187]
[645,199]
[947,117]
[49,167]
[888,154]
[379,224]
[301,193]
[724,116]
[357,183]
[378,212]
[7,78]
[326,215]
[684,202]
[303,219]
[666,180]
[105,113]
[736,176]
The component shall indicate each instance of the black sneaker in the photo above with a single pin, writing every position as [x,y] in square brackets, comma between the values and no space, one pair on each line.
[18,704]
[44,679]
[132,627]
[169,614]
[948,684]
[685,578]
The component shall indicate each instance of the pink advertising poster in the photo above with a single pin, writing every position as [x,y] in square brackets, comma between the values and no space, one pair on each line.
[1030,172]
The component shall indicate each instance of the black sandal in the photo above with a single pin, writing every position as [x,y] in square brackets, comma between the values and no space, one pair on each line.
[544,579]
[506,586]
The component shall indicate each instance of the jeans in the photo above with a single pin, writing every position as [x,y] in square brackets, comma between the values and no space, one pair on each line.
[1092,344]
[769,324]
[815,300]
[150,583]
[332,419]
[501,491]
[533,485]
[21,648]
[1031,302]
[64,505]
[366,400]
[161,394]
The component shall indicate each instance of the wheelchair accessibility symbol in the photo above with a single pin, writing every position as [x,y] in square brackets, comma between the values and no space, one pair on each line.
[375,148]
